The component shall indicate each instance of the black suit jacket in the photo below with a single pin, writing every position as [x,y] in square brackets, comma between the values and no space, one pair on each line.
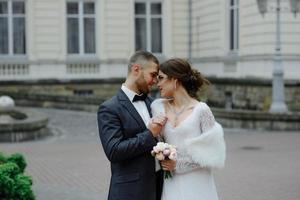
[127,144]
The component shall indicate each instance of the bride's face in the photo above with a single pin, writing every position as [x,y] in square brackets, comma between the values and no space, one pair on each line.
[165,85]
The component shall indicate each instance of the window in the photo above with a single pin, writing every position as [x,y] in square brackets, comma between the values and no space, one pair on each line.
[81,28]
[234,25]
[12,28]
[148,26]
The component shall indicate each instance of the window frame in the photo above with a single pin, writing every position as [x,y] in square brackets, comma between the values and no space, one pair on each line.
[149,17]
[10,18]
[80,17]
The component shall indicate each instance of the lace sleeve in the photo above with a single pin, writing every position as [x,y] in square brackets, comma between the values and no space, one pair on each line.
[207,119]
[185,163]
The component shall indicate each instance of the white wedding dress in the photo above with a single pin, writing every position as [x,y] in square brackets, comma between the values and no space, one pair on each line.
[192,179]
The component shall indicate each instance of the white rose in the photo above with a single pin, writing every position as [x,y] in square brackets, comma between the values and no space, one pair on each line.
[173,155]
[160,156]
[153,153]
[160,146]
[166,146]
[156,149]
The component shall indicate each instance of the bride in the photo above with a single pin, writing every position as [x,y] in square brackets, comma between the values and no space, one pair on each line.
[191,127]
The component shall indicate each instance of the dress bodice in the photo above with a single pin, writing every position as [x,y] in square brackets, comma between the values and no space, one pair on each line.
[198,121]
[187,128]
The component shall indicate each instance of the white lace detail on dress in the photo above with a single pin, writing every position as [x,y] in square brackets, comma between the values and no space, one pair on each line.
[207,119]
[184,162]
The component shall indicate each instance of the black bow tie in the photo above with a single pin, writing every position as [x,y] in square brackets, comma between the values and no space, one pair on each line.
[141,97]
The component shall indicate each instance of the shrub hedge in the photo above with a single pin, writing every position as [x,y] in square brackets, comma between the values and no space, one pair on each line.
[14,185]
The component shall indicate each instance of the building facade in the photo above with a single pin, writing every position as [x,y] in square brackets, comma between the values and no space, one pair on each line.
[231,39]
[86,39]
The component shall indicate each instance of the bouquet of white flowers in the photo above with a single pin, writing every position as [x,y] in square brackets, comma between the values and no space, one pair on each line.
[164,151]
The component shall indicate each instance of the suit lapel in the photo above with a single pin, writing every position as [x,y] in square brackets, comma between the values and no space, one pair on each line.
[148,104]
[130,108]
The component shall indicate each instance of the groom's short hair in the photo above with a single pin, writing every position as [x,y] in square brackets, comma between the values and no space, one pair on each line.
[141,57]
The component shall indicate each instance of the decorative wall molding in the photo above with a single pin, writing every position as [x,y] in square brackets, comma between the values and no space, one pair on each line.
[235,58]
[82,68]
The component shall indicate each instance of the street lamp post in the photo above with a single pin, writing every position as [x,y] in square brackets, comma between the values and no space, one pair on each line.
[278,98]
[278,103]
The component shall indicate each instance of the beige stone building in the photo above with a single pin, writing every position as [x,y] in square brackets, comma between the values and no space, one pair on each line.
[85,39]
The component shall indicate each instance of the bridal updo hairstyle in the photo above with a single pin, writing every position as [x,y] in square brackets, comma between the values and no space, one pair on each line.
[191,79]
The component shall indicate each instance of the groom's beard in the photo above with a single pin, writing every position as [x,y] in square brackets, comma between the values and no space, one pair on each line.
[142,85]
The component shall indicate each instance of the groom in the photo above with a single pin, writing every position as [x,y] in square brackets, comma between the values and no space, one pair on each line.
[127,136]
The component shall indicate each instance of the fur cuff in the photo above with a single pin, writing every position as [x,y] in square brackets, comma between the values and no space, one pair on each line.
[208,149]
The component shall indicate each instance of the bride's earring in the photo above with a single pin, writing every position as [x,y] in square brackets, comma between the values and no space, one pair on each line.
[175,85]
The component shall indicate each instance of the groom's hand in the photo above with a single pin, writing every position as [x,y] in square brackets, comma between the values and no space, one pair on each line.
[156,124]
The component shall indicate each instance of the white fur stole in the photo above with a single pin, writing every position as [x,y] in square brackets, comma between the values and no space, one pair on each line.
[208,149]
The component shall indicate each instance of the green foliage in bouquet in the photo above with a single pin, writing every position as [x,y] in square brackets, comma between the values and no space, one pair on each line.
[14,185]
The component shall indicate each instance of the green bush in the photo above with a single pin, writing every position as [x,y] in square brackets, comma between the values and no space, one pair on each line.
[14,185]
[2,158]
[19,160]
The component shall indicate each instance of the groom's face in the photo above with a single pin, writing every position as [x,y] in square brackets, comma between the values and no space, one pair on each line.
[147,77]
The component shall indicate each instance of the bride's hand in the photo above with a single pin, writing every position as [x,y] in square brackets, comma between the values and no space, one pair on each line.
[168,165]
[160,119]
[156,124]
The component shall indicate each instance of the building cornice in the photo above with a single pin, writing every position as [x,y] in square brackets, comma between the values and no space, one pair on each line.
[237,58]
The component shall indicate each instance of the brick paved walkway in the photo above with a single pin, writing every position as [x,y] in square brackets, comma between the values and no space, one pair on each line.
[71,164]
